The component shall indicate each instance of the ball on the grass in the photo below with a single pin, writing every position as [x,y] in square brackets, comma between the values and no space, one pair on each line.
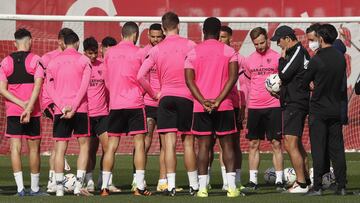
[69,182]
[289,176]
[270,175]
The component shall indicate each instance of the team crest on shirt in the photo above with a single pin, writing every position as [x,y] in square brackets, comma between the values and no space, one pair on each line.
[100,72]
[268,60]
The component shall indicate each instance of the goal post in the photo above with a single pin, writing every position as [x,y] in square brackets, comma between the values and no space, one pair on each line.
[45,28]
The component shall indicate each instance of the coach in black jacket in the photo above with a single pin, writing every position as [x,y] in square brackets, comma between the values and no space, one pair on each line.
[326,69]
[295,102]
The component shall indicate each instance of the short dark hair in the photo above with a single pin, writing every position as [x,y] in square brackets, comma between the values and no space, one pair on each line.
[170,21]
[90,44]
[256,32]
[108,42]
[328,32]
[21,33]
[71,38]
[64,31]
[227,29]
[212,26]
[313,28]
[129,28]
[155,26]
[292,36]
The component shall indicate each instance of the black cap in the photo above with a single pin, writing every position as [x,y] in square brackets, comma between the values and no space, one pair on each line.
[282,32]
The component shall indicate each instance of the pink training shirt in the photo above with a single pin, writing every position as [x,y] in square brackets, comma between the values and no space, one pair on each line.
[169,57]
[121,64]
[18,78]
[46,58]
[97,93]
[153,79]
[234,94]
[210,61]
[258,67]
[68,77]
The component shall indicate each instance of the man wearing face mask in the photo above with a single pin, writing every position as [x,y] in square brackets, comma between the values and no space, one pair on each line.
[338,45]
[294,101]
[326,70]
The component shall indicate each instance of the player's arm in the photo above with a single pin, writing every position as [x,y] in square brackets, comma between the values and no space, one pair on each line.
[50,86]
[310,73]
[288,68]
[85,80]
[141,76]
[233,76]
[190,82]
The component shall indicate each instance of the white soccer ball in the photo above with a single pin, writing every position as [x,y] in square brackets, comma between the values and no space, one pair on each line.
[273,83]
[69,182]
[270,176]
[327,179]
[289,176]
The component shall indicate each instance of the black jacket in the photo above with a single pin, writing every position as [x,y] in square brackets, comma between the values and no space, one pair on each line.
[291,72]
[326,69]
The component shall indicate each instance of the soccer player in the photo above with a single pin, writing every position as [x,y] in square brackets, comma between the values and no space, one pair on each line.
[68,77]
[48,106]
[175,100]
[211,71]
[326,69]
[126,103]
[98,109]
[155,36]
[106,43]
[264,112]
[226,37]
[21,78]
[294,101]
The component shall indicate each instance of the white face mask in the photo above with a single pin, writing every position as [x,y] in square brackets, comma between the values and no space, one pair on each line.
[314,45]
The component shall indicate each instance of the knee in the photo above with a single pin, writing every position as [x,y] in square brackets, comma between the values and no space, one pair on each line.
[254,145]
[276,145]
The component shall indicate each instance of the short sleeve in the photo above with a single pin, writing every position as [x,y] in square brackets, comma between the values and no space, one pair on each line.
[190,59]
[36,65]
[231,53]
[4,69]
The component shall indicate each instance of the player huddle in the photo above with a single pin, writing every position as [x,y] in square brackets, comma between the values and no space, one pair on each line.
[183,89]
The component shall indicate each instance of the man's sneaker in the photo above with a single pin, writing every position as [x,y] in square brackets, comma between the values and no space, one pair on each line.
[170,193]
[104,192]
[179,189]
[114,189]
[202,193]
[192,191]
[60,193]
[250,187]
[313,192]
[161,187]
[51,187]
[224,187]
[38,193]
[280,186]
[233,192]
[240,187]
[83,192]
[66,165]
[90,186]
[133,186]
[143,192]
[297,189]
[22,193]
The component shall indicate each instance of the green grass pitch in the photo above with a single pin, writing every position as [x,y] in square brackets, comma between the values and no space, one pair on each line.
[123,177]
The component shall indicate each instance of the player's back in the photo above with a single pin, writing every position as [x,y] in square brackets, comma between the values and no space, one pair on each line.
[170,60]
[210,60]
[67,70]
[122,63]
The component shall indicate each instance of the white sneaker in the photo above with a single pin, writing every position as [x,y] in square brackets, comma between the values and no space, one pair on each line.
[90,186]
[59,192]
[297,189]
[114,189]
[66,165]
[51,187]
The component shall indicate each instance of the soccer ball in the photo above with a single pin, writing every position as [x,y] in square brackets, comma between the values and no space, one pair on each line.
[327,179]
[69,182]
[270,176]
[273,83]
[289,176]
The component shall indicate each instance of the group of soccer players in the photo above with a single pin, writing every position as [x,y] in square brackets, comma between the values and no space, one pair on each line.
[178,87]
